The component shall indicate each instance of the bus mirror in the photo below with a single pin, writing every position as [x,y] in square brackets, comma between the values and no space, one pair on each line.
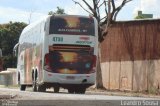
[0,52]
[15,49]
[14,53]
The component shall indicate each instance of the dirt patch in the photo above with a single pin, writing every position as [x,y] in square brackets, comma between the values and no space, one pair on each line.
[122,93]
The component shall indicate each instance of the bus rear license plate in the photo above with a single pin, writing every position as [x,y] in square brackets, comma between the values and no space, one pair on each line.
[70,77]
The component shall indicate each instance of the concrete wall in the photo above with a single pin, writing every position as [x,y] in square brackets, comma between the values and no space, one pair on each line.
[127,75]
[8,77]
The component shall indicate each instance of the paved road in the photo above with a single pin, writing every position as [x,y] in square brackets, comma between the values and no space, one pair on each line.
[14,97]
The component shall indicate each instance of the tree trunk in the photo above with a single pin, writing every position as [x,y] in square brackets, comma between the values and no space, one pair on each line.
[99,83]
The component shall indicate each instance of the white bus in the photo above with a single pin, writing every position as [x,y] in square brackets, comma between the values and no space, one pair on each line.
[58,51]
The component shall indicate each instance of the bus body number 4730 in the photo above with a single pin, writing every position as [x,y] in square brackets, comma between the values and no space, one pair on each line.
[58,39]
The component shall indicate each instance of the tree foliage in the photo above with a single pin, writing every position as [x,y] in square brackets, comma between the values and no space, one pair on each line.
[140,17]
[9,35]
[59,11]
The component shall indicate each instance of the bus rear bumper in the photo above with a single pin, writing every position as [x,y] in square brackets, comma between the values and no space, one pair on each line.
[69,79]
[66,86]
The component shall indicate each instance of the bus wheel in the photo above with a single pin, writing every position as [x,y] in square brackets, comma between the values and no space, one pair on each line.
[80,91]
[41,88]
[18,78]
[70,90]
[56,89]
[34,85]
[22,87]
[34,81]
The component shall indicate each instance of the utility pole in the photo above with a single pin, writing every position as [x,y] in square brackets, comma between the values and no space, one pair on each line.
[30,16]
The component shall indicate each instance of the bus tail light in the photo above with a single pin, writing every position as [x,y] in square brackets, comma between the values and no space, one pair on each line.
[94,60]
[47,63]
[93,70]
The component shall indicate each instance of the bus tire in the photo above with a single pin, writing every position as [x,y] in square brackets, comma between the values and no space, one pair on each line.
[34,81]
[34,86]
[22,87]
[18,78]
[70,90]
[56,89]
[80,91]
[41,88]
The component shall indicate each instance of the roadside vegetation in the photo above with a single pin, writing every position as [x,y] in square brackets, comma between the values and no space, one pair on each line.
[9,35]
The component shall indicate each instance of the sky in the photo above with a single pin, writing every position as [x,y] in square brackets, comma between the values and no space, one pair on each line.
[29,11]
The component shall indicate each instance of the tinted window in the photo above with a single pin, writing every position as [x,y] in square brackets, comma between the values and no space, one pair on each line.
[72,25]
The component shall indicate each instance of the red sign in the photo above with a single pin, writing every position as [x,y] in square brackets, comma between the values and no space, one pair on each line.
[84,38]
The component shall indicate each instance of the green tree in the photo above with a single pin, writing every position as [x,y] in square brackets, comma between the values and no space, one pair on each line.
[9,35]
[59,11]
[140,17]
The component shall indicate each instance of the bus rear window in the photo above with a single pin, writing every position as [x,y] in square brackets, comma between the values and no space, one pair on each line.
[72,25]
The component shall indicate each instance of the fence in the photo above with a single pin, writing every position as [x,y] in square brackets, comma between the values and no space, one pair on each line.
[130,58]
